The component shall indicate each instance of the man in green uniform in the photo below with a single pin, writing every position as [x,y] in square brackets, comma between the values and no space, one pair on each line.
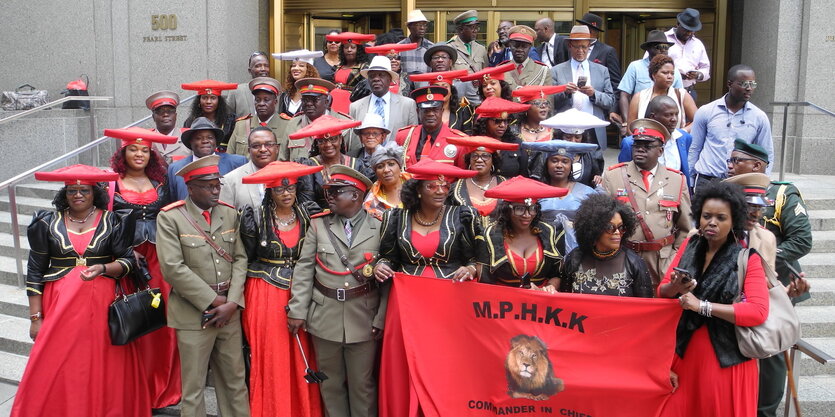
[339,302]
[265,96]
[789,222]
[316,102]
[472,56]
[203,259]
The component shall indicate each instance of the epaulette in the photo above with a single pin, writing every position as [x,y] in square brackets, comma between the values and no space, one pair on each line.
[247,117]
[323,213]
[464,102]
[503,62]
[457,132]
[539,62]
[674,170]
[406,127]
[346,115]
[173,205]
[225,204]
[617,166]
[285,116]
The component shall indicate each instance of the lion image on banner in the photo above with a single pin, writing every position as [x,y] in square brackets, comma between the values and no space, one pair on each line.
[529,370]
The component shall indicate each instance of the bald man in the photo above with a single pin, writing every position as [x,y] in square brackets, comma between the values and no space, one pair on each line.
[552,51]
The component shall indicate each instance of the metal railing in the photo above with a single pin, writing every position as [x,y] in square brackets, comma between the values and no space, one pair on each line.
[12,183]
[53,104]
[786,105]
[795,355]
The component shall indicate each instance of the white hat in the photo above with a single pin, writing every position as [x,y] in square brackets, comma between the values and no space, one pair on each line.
[301,55]
[372,120]
[416,16]
[573,121]
[380,63]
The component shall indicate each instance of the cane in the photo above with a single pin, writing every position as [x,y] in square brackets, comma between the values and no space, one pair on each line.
[311,376]
[792,388]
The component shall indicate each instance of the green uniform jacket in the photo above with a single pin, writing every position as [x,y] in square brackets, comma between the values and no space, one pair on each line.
[189,264]
[239,142]
[347,321]
[789,222]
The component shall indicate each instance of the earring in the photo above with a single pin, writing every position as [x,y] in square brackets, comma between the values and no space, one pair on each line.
[419,195]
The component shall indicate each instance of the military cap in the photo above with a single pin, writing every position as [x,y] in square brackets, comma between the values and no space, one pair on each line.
[573,121]
[162,98]
[341,175]
[521,33]
[648,129]
[428,97]
[464,18]
[755,185]
[752,149]
[427,56]
[270,85]
[201,169]
[314,86]
[560,147]
[200,123]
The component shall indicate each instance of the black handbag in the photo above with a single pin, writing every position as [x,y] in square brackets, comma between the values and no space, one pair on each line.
[77,88]
[136,314]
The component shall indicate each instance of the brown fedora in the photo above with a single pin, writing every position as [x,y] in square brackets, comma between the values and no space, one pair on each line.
[580,33]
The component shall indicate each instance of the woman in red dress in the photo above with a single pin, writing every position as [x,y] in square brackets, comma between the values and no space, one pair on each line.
[352,60]
[212,105]
[273,241]
[76,252]
[142,187]
[714,379]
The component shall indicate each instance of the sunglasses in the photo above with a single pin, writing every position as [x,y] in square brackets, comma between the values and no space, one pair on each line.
[746,84]
[611,228]
[481,156]
[436,186]
[645,146]
[500,121]
[332,42]
[83,191]
[334,192]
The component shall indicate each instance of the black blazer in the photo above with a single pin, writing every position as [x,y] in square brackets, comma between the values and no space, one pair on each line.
[144,216]
[560,51]
[496,269]
[607,56]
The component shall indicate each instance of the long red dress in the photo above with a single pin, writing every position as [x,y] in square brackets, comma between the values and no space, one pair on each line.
[158,349]
[276,382]
[705,388]
[342,96]
[73,369]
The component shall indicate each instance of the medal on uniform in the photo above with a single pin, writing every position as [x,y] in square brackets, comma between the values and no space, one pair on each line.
[450,151]
[367,270]
[621,192]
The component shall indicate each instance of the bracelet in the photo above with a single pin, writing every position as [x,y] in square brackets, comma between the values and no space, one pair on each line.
[35,317]
[474,270]
[103,269]
[706,308]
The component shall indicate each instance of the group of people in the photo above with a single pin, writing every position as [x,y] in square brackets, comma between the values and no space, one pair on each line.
[274,236]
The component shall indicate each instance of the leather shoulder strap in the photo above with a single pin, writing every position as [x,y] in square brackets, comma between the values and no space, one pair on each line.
[648,236]
[342,257]
[220,251]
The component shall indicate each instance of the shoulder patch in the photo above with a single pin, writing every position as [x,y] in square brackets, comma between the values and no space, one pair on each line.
[285,116]
[406,127]
[323,213]
[247,117]
[673,170]
[616,166]
[226,204]
[539,62]
[173,205]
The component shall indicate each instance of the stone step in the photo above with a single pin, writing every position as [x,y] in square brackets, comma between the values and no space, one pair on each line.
[23,221]
[8,270]
[816,321]
[823,241]
[816,394]
[39,189]
[809,366]
[823,292]
[14,302]
[12,367]
[26,205]
[7,245]
[14,335]
[820,219]
[818,265]
[820,203]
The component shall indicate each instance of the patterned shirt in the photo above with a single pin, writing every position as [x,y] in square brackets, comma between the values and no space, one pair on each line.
[412,61]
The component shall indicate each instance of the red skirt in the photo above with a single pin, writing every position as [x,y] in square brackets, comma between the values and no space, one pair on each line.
[276,382]
[706,389]
[159,349]
[73,370]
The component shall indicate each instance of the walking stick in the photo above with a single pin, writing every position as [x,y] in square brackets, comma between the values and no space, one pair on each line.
[311,376]
[790,376]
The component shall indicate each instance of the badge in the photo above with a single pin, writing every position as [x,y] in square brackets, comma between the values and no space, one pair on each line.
[367,270]
[450,151]
[621,192]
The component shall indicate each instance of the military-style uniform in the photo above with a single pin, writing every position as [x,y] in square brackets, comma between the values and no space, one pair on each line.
[300,148]
[198,274]
[439,150]
[533,73]
[663,210]
[239,142]
[470,61]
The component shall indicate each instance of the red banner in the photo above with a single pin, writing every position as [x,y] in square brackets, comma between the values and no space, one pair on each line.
[469,349]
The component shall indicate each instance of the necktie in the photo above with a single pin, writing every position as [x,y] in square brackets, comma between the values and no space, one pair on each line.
[348,230]
[263,124]
[427,147]
[378,108]
[519,69]
[646,175]
[208,217]
[580,71]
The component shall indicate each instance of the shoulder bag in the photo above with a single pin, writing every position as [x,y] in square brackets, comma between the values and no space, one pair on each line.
[134,315]
[24,97]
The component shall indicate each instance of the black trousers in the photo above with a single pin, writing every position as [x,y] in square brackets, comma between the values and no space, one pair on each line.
[772,385]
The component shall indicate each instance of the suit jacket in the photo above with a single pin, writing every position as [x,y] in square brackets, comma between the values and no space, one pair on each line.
[240,100]
[533,73]
[239,142]
[300,148]
[177,185]
[189,264]
[470,62]
[560,52]
[402,112]
[239,194]
[603,101]
[347,321]
[608,57]
[441,151]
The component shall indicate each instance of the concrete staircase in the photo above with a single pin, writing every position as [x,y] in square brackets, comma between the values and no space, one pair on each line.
[817,382]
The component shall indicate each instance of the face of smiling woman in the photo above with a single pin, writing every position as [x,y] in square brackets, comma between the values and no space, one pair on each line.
[80,199]
[137,156]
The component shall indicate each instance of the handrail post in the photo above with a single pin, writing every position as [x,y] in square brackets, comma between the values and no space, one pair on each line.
[16,236]
[783,143]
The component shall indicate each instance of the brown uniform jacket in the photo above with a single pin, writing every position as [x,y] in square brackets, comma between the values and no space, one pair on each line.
[533,73]
[190,265]
[239,142]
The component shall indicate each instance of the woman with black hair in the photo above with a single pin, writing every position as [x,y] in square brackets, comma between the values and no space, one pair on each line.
[574,125]
[273,240]
[142,187]
[326,64]
[495,116]
[601,263]
[211,105]
[521,250]
[352,60]
[429,237]
[483,158]
[717,378]
[78,251]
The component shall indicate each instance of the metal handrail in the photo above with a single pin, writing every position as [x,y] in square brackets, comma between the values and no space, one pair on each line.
[786,105]
[11,183]
[813,352]
[53,104]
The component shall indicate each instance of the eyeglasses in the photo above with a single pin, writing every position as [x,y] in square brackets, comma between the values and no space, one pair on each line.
[746,84]
[332,140]
[268,145]
[165,111]
[335,191]
[522,209]
[436,186]
[540,103]
[83,191]
[481,156]
[284,189]
[209,188]
[371,135]
[736,159]
[394,58]
[333,42]
[645,146]
[499,121]
[611,228]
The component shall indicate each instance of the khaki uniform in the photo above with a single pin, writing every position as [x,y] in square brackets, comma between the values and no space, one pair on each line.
[665,208]
[470,62]
[533,73]
[341,330]
[239,142]
[168,152]
[190,265]
[765,243]
[300,148]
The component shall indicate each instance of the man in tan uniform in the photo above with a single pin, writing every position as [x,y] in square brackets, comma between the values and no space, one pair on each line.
[472,56]
[163,106]
[528,71]
[203,259]
[343,311]
[756,236]
[316,102]
[265,96]
[657,194]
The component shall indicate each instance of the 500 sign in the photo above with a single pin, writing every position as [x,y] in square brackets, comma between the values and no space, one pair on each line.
[163,22]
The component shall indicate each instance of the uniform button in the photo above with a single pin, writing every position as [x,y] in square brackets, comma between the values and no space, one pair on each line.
[214,238]
[217,261]
[192,244]
[647,212]
[347,285]
[218,272]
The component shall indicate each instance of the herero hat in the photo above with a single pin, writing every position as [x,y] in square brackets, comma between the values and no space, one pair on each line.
[752,149]
[380,63]
[162,98]
[534,92]
[655,36]
[324,127]
[416,16]
[300,55]
[351,37]
[499,108]
[689,19]
[481,143]
[524,190]
[494,73]
[521,33]
[428,169]
[439,77]
[580,33]
[755,185]
[464,18]
[270,85]
[593,21]
[427,56]
[275,173]
[573,121]
[372,120]
[77,175]
[209,87]
[200,123]
[201,169]
[139,136]
[648,129]
[391,48]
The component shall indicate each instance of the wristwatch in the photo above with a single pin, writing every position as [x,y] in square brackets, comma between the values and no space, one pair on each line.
[35,317]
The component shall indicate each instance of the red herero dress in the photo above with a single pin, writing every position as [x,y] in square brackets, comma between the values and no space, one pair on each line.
[73,368]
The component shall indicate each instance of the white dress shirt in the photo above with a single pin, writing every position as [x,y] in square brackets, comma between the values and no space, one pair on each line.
[581,100]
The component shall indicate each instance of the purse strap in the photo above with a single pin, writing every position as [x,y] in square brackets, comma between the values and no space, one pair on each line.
[24,86]
[742,266]
[220,251]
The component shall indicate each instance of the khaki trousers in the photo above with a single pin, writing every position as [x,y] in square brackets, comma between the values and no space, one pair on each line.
[351,363]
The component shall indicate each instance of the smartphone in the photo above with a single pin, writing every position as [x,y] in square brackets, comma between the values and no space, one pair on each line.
[794,275]
[581,81]
[206,318]
[684,274]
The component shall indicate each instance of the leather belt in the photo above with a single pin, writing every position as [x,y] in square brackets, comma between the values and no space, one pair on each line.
[283,262]
[73,262]
[343,294]
[221,288]
[651,246]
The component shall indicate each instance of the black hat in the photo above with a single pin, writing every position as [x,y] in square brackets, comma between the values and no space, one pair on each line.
[655,36]
[689,19]
[593,21]
[427,56]
[752,149]
[200,123]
